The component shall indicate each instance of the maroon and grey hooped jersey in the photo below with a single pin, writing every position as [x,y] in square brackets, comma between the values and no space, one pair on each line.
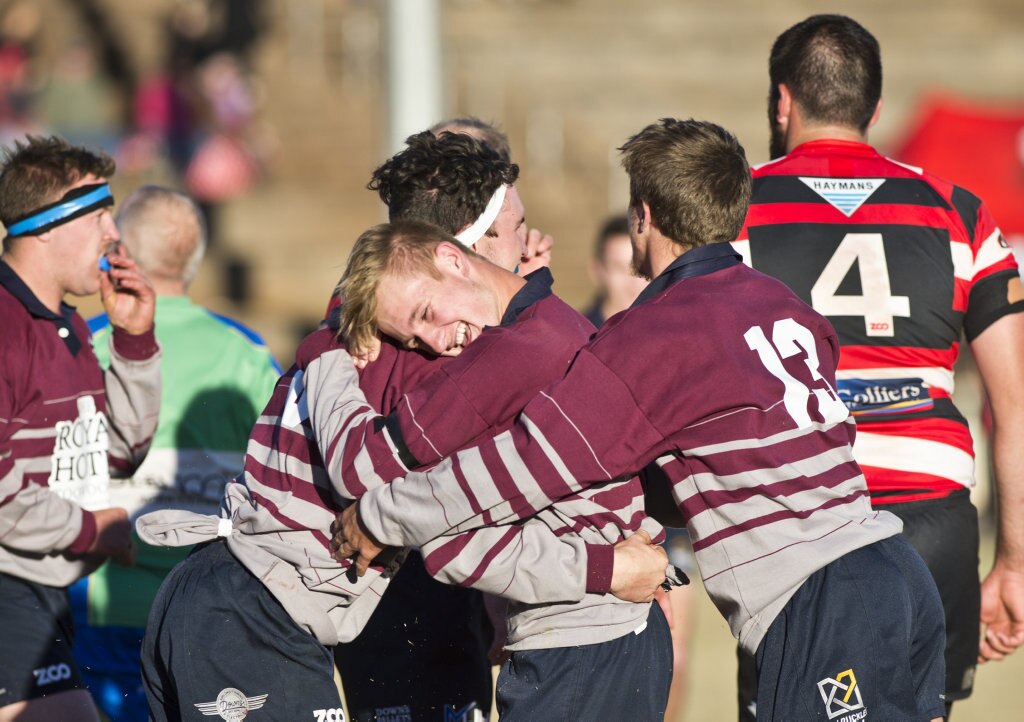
[65,427]
[901,263]
[725,378]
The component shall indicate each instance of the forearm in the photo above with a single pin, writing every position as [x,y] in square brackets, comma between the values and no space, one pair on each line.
[1002,372]
[35,520]
[1009,478]
[527,563]
[133,387]
[357,453]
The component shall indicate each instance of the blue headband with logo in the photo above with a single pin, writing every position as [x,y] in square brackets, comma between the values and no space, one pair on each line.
[76,202]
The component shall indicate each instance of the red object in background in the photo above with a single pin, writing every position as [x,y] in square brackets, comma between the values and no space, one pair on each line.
[977,146]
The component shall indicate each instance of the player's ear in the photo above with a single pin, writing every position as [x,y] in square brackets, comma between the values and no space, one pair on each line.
[785,106]
[874,116]
[450,256]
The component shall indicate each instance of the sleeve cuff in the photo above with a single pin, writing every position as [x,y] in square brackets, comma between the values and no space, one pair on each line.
[600,562]
[87,534]
[135,347]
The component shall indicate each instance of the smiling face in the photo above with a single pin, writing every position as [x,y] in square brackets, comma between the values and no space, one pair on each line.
[75,247]
[437,315]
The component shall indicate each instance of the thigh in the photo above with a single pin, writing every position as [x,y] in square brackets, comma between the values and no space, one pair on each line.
[36,636]
[945,533]
[423,650]
[843,645]
[625,678]
[217,642]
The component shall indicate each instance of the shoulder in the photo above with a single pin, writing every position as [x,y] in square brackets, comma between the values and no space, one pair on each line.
[237,327]
[555,316]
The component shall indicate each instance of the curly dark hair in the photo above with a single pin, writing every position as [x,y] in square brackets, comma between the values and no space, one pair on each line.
[446,180]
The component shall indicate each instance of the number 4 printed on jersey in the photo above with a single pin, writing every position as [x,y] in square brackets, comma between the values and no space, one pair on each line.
[876,303]
[788,339]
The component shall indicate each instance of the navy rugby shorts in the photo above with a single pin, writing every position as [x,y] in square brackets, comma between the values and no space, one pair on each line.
[861,639]
[218,643]
[623,679]
[36,634]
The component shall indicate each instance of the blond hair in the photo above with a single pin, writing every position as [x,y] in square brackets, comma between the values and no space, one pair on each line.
[402,247]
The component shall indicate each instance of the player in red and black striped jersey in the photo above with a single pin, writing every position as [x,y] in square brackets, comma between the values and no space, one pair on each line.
[902,263]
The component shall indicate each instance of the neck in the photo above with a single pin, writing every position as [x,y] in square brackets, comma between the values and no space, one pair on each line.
[168,286]
[800,134]
[504,284]
[662,251]
[36,276]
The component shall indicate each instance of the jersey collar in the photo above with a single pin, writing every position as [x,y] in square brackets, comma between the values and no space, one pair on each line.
[698,261]
[537,288]
[61,321]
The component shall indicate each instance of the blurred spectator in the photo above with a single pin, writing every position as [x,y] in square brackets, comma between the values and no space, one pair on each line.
[217,375]
[198,110]
[19,26]
[78,102]
[612,272]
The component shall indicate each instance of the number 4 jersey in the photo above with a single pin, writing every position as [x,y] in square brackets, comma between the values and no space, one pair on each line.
[902,263]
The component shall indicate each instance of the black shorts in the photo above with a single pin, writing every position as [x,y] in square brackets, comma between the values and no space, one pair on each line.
[36,634]
[945,534]
[862,638]
[627,678]
[218,643]
[422,653]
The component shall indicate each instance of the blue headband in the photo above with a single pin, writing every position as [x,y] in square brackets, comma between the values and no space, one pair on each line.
[76,202]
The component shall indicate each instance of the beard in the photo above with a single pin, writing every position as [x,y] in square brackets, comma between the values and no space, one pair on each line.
[640,267]
[777,142]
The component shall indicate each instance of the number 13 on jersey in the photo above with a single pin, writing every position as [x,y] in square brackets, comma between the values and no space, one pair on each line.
[788,339]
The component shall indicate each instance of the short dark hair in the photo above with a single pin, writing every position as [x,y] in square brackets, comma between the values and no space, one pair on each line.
[471,125]
[833,68]
[694,176]
[613,227]
[446,180]
[39,170]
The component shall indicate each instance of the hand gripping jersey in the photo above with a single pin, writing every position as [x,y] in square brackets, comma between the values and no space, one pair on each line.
[722,376]
[901,263]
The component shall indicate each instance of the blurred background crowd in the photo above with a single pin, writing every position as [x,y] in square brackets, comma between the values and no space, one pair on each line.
[273,113]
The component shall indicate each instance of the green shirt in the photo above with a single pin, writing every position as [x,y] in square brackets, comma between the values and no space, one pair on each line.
[217,377]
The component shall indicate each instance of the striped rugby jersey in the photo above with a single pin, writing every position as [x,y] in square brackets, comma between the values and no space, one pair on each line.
[725,378]
[901,263]
[65,428]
